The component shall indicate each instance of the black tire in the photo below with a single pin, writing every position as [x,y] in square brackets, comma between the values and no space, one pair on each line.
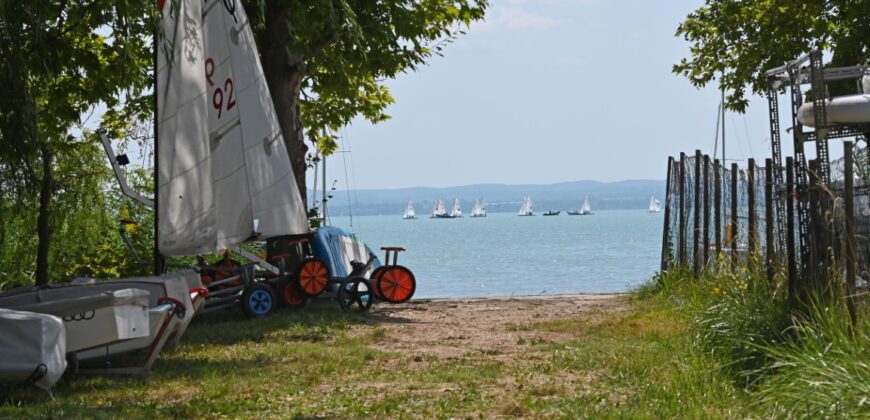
[290,295]
[72,367]
[375,278]
[355,291]
[258,300]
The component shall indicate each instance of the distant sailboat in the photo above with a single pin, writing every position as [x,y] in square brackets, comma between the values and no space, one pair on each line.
[526,209]
[655,206]
[457,211]
[409,211]
[439,211]
[585,210]
[479,209]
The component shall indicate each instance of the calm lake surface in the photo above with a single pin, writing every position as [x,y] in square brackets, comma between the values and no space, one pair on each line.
[504,254]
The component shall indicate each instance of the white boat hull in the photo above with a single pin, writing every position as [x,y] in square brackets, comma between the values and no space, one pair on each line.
[91,318]
[183,286]
[851,109]
[160,319]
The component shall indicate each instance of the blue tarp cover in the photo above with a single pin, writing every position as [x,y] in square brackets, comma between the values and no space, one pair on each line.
[338,247]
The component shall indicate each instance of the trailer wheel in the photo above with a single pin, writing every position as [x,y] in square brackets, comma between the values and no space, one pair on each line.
[291,296]
[355,291]
[396,284]
[258,300]
[375,278]
[312,276]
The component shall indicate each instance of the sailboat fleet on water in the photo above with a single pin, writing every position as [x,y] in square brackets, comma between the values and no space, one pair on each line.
[439,211]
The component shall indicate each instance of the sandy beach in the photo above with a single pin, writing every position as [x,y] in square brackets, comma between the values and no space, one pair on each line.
[451,328]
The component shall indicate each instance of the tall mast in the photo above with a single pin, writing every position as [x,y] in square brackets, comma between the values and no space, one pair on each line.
[158,259]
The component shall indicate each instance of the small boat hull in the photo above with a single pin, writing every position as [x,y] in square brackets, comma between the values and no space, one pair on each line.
[91,318]
[850,109]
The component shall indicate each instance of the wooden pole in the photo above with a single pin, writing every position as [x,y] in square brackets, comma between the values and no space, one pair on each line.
[696,218]
[682,224]
[753,222]
[717,200]
[816,239]
[706,241]
[791,258]
[666,234]
[770,249]
[849,231]
[734,221]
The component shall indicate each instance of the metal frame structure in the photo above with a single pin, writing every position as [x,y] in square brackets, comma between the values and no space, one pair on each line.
[807,69]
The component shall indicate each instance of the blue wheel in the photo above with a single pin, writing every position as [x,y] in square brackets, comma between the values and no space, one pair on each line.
[258,300]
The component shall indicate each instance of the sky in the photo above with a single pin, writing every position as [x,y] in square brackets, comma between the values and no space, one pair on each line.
[548,91]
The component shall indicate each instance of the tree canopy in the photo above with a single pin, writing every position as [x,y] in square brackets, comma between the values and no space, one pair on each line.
[326,62]
[736,41]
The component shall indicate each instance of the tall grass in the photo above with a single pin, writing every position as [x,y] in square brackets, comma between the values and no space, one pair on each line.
[796,363]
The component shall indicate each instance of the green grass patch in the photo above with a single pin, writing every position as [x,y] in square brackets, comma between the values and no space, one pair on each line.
[321,363]
[794,359]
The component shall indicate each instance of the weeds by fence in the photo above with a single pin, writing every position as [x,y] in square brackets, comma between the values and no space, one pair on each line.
[719,214]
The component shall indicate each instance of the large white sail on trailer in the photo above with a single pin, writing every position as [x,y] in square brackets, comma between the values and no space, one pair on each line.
[224,174]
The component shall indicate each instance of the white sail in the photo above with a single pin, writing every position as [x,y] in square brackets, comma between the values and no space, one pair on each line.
[654,205]
[587,209]
[224,174]
[409,211]
[479,209]
[457,211]
[439,209]
[249,150]
[526,209]
[187,222]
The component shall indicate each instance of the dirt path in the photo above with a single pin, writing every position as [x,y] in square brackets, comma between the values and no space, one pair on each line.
[449,328]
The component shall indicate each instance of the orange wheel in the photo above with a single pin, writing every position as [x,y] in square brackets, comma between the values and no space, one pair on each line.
[312,276]
[375,278]
[396,284]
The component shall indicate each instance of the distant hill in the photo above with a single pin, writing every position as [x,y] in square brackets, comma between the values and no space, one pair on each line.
[632,194]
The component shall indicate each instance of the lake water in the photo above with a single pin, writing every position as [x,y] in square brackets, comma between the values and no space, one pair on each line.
[504,254]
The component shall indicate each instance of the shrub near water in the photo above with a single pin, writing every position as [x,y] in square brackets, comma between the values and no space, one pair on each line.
[804,365]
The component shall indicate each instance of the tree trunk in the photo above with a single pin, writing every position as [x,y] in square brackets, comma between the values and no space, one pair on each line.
[284,70]
[43,227]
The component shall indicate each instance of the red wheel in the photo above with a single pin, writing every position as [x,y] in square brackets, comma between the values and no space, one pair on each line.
[312,276]
[375,278]
[291,296]
[396,284]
